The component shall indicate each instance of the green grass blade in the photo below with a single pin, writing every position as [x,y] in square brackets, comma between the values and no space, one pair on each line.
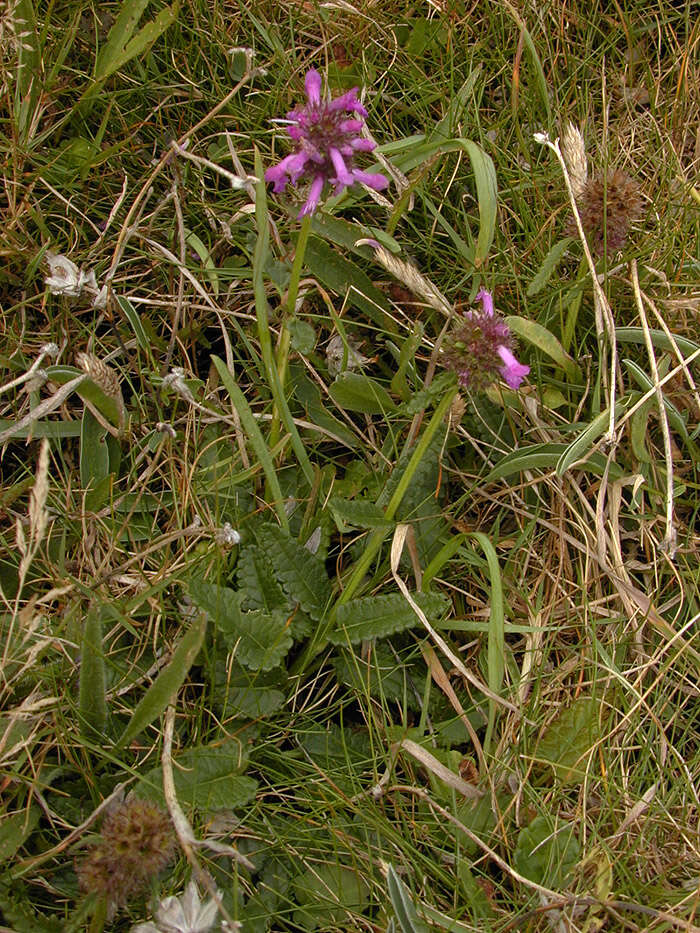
[92,702]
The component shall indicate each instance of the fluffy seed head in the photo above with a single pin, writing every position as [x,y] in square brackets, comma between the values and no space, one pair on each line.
[607,207]
[136,843]
[573,149]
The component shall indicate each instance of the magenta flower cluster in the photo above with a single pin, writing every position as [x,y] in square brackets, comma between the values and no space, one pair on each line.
[327,138]
[481,347]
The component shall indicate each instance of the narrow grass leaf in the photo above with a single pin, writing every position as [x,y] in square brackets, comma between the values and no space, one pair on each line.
[659,340]
[166,685]
[544,340]
[250,426]
[193,241]
[496,635]
[92,689]
[94,460]
[122,45]
[549,264]
[675,419]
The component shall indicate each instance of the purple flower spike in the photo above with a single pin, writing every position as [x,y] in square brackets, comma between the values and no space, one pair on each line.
[480,348]
[327,137]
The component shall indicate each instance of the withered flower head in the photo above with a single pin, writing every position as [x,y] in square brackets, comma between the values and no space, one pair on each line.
[608,205]
[136,843]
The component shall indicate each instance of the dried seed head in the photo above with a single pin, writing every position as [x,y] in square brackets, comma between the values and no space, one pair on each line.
[573,149]
[607,207]
[104,377]
[137,842]
[413,280]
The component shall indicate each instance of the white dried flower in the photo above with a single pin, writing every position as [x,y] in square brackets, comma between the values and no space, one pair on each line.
[65,278]
[184,914]
[335,353]
[50,349]
[541,138]
[164,428]
[573,149]
[175,380]
[227,535]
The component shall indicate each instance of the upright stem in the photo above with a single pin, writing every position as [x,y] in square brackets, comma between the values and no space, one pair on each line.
[285,337]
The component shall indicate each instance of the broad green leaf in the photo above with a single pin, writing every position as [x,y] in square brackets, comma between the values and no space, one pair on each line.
[15,829]
[326,893]
[93,680]
[544,457]
[402,902]
[302,575]
[675,419]
[343,277]
[549,264]
[89,391]
[357,513]
[122,45]
[166,685]
[94,460]
[546,852]
[310,397]
[568,741]
[358,392]
[379,616]
[256,581]
[303,336]
[260,639]
[545,341]
[247,694]
[207,777]
[580,447]
[658,338]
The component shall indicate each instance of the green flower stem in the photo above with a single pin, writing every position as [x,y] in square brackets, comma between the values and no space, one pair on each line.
[319,642]
[285,337]
[281,408]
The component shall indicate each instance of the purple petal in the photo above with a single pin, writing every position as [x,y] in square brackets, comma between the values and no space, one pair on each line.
[371,179]
[314,197]
[296,132]
[513,372]
[486,298]
[312,83]
[350,126]
[348,101]
[341,169]
[363,145]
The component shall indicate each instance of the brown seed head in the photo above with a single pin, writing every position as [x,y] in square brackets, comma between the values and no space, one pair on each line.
[607,207]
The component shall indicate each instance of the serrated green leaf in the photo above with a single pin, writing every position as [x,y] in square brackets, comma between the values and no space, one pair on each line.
[379,616]
[302,575]
[248,694]
[357,513]
[549,264]
[166,685]
[260,639]
[92,689]
[567,742]
[256,581]
[358,392]
[15,829]
[207,777]
[545,341]
[546,853]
